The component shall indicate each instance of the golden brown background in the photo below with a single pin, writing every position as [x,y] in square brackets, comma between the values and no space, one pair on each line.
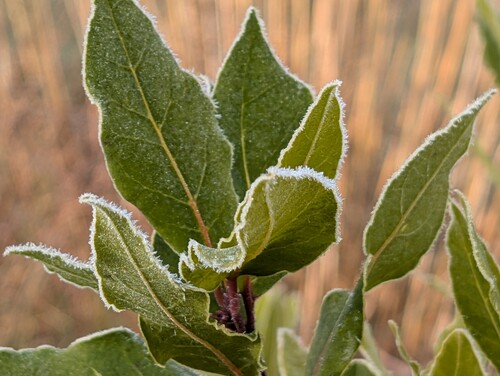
[407,66]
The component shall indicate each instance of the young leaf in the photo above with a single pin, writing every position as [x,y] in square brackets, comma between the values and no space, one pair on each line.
[475,281]
[275,310]
[369,349]
[321,140]
[338,333]
[279,214]
[489,22]
[207,267]
[113,352]
[69,269]
[292,354]
[163,147]
[260,103]
[410,210]
[360,367]
[457,357]
[130,277]
[413,364]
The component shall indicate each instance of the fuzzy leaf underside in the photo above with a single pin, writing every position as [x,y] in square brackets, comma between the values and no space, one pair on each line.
[260,104]
[131,278]
[279,214]
[410,210]
[456,357]
[475,284]
[114,352]
[69,269]
[321,140]
[158,128]
[207,267]
[338,333]
[292,355]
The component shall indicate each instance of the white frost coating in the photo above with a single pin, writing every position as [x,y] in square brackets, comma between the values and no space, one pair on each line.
[470,110]
[97,202]
[298,173]
[345,144]
[220,259]
[50,252]
[266,39]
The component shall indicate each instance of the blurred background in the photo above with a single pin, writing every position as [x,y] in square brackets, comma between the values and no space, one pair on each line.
[407,67]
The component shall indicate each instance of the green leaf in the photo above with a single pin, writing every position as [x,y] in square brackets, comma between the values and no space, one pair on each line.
[163,147]
[321,140]
[260,103]
[292,354]
[130,277]
[410,210]
[338,333]
[489,22]
[111,352]
[261,285]
[68,268]
[167,255]
[413,364]
[457,357]
[279,215]
[475,281]
[165,343]
[360,367]
[207,267]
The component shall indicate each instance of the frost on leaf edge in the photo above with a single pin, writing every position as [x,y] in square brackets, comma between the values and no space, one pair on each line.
[335,85]
[453,123]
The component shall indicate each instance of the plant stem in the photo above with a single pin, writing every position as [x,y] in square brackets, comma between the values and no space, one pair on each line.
[249,302]
[234,304]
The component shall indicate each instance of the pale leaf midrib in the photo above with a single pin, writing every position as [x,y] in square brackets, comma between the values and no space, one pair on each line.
[192,202]
[405,215]
[320,127]
[230,365]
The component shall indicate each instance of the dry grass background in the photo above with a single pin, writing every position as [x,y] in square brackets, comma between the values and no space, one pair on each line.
[407,67]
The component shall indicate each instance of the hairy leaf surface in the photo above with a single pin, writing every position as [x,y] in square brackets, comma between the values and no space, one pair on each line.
[207,267]
[475,281]
[292,354]
[338,333]
[411,208]
[130,277]
[260,103]
[163,147]
[457,357]
[68,268]
[279,215]
[321,140]
[113,352]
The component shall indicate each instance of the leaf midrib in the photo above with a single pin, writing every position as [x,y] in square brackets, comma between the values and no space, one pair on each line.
[405,215]
[192,202]
[230,365]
